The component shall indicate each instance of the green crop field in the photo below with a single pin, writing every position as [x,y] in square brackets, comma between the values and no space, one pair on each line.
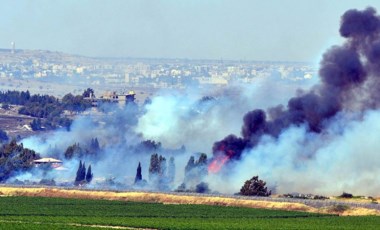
[61,213]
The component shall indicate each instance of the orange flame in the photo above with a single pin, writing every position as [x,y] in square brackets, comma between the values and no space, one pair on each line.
[224,155]
[216,165]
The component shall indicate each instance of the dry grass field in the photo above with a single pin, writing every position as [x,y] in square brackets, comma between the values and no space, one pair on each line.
[180,199]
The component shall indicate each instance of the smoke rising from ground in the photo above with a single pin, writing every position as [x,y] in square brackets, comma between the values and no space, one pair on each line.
[320,139]
[192,118]
[343,158]
[176,119]
[323,141]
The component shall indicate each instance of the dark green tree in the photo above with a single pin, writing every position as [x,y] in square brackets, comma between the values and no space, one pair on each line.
[154,166]
[36,124]
[83,172]
[94,144]
[88,93]
[89,174]
[202,159]
[158,171]
[202,165]
[138,177]
[171,170]
[78,177]
[14,158]
[190,165]
[162,166]
[74,150]
[254,187]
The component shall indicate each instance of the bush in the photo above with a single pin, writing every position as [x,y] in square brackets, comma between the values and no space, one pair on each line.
[47,182]
[202,188]
[254,187]
[339,208]
[346,195]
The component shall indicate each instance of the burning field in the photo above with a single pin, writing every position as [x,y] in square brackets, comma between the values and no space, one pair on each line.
[319,138]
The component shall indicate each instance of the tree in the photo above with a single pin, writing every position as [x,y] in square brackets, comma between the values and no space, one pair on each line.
[83,172]
[36,124]
[158,174]
[138,177]
[75,103]
[154,167]
[254,187]
[196,170]
[346,195]
[88,93]
[148,145]
[171,170]
[162,166]
[89,174]
[14,158]
[202,165]
[190,165]
[202,159]
[94,144]
[78,178]
[74,150]
[81,176]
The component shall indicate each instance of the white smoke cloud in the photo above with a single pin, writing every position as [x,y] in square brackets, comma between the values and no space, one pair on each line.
[343,158]
[174,118]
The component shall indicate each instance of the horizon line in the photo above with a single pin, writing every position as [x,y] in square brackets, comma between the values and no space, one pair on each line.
[157,58]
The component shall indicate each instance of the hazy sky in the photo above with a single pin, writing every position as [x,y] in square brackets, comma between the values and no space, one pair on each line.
[288,30]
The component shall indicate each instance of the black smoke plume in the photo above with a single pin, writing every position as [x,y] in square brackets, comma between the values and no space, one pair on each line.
[349,80]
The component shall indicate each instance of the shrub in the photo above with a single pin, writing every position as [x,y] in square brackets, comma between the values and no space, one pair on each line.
[254,187]
[339,208]
[346,195]
[202,188]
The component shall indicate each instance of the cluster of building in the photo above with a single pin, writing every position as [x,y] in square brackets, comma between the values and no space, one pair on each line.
[112,96]
[155,73]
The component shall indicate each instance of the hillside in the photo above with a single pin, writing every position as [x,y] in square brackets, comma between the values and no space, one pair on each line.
[15,124]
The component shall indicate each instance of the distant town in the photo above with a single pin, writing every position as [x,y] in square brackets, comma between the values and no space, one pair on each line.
[56,67]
